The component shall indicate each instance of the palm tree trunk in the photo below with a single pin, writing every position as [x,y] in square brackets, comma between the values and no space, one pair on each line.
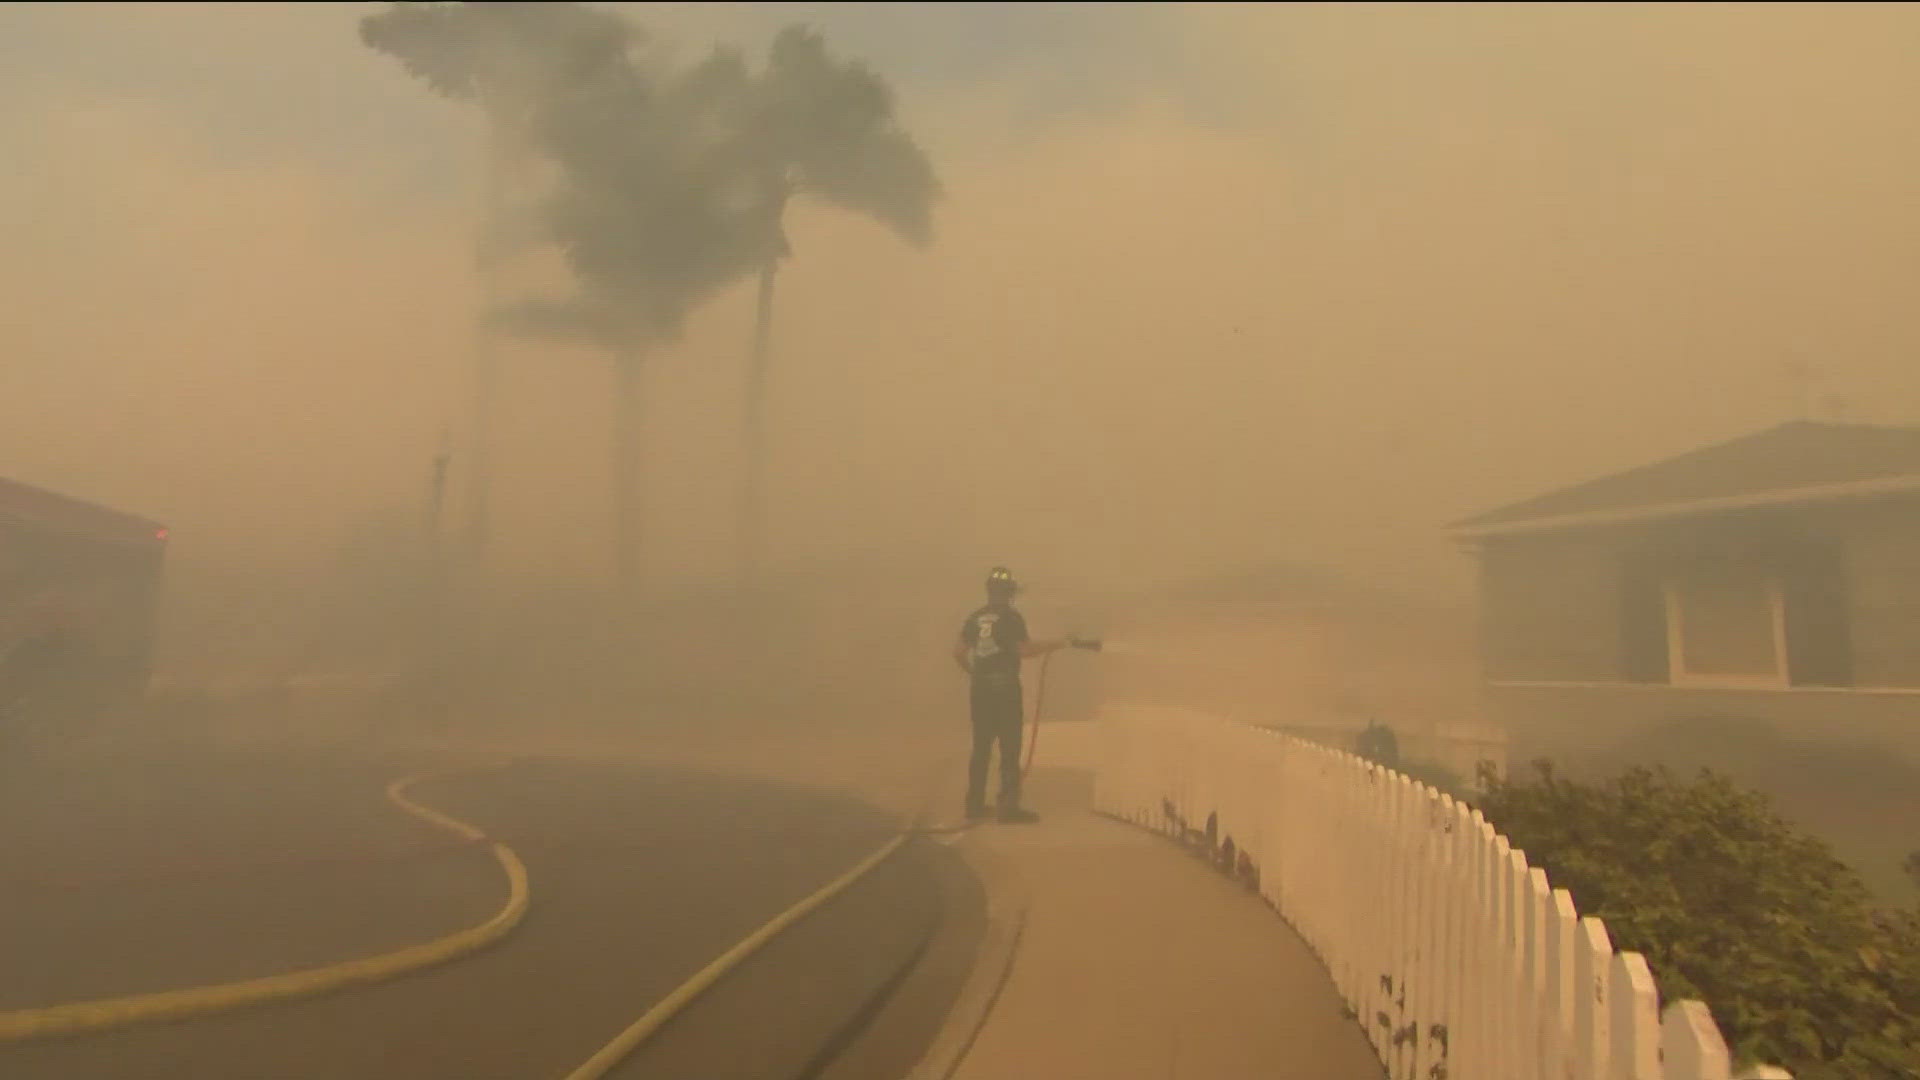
[753,497]
[486,358]
[626,472]
[439,651]
[486,374]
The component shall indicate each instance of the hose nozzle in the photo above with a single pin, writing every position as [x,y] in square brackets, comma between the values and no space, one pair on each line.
[1089,644]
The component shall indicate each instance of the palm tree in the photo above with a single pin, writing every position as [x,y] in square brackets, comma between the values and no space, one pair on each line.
[510,59]
[824,128]
[670,187]
[649,218]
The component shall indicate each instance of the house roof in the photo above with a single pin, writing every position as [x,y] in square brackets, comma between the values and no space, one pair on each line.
[24,504]
[1800,461]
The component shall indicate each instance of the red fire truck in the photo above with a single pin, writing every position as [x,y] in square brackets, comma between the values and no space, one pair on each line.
[79,585]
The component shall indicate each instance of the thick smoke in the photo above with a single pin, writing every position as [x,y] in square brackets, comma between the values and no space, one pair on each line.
[669,185]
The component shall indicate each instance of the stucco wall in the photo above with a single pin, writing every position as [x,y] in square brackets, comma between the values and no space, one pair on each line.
[1882,559]
[1550,609]
[1551,604]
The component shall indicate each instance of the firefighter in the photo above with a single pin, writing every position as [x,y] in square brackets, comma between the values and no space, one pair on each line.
[992,643]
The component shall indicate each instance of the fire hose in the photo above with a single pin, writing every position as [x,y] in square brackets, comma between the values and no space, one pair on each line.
[1040,699]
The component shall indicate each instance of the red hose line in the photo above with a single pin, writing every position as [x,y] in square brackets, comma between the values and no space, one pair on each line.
[1039,701]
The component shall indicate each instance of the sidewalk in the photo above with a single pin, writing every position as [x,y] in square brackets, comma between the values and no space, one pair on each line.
[1133,960]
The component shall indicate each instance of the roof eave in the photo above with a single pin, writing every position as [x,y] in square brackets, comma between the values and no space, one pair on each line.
[1594,519]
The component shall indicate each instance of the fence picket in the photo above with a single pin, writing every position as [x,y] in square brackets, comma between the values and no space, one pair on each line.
[1476,1017]
[1371,816]
[1690,1045]
[1533,967]
[1430,977]
[1420,957]
[1437,1026]
[1378,957]
[1636,1020]
[1485,1006]
[1524,1061]
[1406,994]
[1457,922]
[1563,924]
[1500,964]
[1352,916]
[1275,863]
[1592,957]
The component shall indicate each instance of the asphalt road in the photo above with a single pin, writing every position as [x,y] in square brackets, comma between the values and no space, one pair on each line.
[127,869]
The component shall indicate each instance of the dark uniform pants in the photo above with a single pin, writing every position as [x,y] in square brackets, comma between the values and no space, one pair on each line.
[997,718]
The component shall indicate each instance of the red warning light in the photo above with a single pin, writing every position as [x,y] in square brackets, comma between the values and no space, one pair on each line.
[159,534]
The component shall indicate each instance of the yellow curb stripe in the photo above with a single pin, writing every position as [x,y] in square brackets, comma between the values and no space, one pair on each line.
[25,1024]
[640,1030]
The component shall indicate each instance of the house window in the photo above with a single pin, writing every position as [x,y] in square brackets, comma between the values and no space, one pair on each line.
[1726,626]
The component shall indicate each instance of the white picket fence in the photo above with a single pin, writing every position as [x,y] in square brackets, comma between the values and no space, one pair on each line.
[1460,959]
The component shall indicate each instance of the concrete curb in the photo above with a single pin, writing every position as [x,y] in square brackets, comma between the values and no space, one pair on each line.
[993,966]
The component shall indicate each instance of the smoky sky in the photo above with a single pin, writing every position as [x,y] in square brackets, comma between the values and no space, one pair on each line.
[1211,285]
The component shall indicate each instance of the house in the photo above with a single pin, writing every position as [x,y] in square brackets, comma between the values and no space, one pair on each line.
[1770,583]
[79,585]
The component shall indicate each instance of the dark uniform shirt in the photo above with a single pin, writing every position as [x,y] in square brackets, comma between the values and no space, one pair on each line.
[992,637]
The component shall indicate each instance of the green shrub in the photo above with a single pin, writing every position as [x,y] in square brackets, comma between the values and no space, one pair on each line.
[1731,905]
